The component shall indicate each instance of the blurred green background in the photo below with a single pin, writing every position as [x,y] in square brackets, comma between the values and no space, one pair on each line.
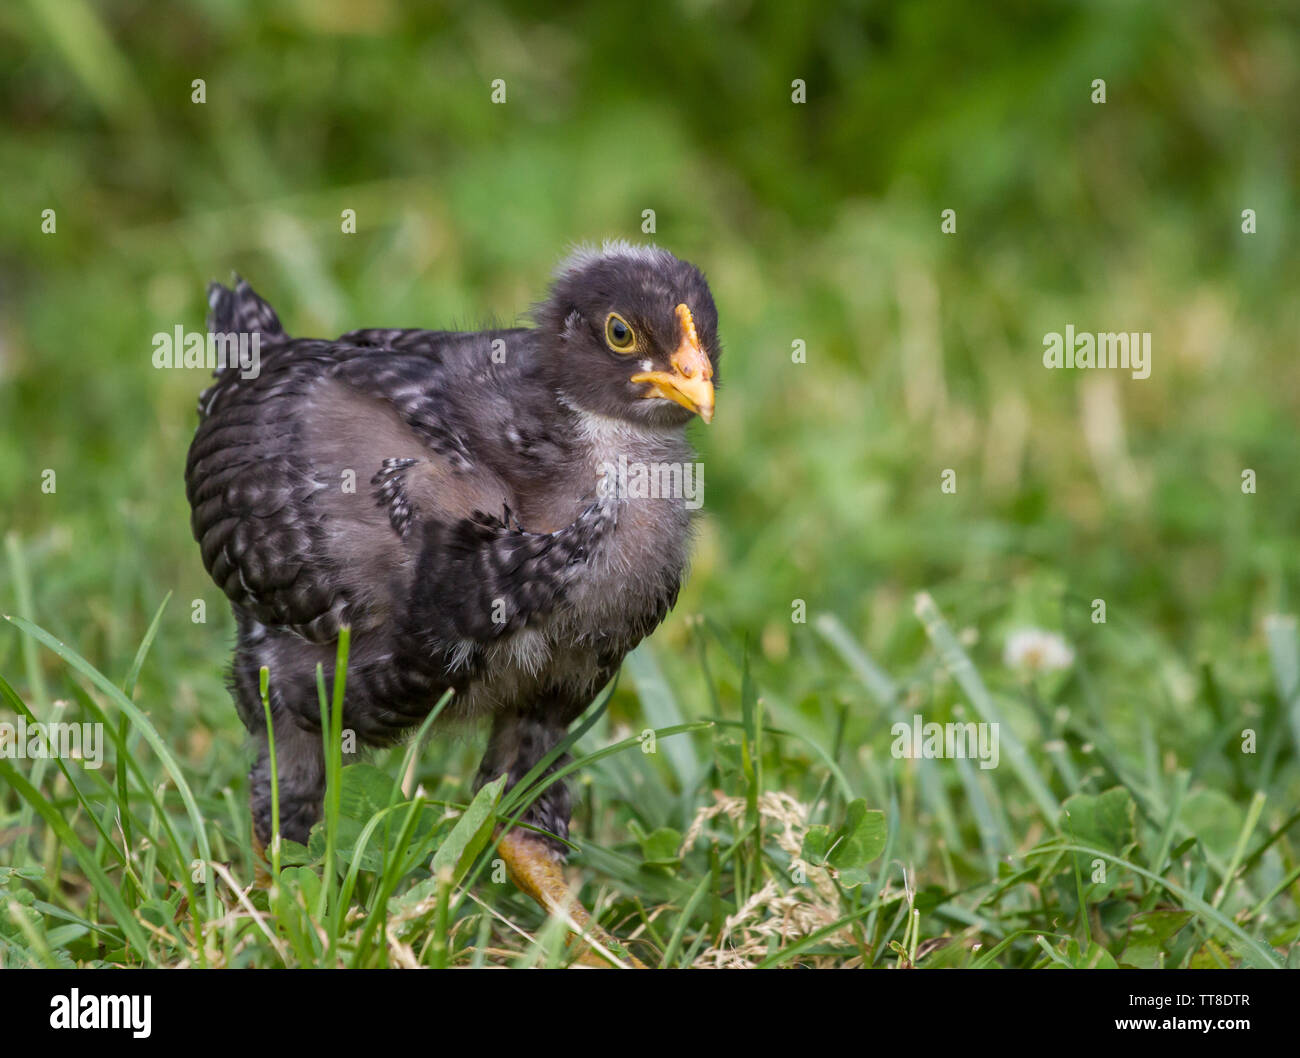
[817,222]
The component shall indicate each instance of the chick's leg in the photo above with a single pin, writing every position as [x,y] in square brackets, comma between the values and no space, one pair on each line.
[299,757]
[300,779]
[535,862]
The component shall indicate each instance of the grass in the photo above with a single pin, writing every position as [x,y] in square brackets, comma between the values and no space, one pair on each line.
[1129,866]
[737,800]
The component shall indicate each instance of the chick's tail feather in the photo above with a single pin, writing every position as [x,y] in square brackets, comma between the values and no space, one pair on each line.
[241,311]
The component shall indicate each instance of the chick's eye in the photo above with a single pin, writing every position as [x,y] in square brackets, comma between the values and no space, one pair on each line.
[618,334]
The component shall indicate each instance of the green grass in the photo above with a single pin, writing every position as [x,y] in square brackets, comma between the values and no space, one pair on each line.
[1145,807]
[784,864]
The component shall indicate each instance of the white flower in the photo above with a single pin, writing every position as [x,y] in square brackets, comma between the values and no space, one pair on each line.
[1036,650]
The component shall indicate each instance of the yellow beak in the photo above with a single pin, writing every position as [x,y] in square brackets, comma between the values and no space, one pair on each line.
[689,383]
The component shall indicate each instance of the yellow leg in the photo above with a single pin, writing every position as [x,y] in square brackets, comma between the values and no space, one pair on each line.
[261,876]
[535,870]
[533,867]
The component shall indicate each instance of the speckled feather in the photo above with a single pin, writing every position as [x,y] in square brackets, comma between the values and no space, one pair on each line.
[440,498]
